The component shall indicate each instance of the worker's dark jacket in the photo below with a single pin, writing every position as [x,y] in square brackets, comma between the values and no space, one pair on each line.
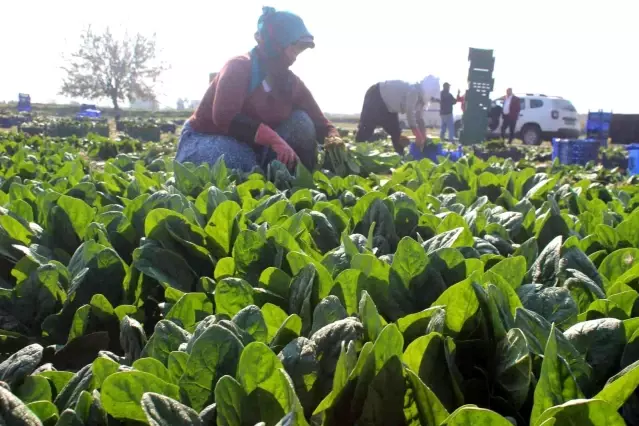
[446,102]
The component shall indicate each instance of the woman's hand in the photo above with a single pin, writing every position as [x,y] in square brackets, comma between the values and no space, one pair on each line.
[266,136]
[420,138]
[404,141]
[333,140]
[285,153]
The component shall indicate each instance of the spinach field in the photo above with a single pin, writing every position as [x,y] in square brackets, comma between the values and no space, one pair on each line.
[141,291]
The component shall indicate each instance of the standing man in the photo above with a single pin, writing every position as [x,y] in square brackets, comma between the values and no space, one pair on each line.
[446,102]
[510,114]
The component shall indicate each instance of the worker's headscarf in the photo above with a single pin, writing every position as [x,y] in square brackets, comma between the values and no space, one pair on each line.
[276,30]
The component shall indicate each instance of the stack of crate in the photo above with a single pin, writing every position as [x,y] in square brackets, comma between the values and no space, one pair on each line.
[575,151]
[598,126]
[477,97]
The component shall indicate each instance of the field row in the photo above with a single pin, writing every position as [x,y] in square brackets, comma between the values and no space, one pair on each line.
[136,290]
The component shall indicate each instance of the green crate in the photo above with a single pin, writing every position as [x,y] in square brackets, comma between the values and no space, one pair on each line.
[483,61]
[471,135]
[474,96]
[486,66]
[476,125]
[476,109]
[480,76]
[472,119]
[475,54]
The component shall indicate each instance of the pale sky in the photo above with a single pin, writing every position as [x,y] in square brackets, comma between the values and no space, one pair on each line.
[585,51]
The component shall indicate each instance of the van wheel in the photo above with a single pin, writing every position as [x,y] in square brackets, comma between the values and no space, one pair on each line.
[531,134]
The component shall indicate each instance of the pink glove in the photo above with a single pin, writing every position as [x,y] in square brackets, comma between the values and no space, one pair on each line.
[420,138]
[266,136]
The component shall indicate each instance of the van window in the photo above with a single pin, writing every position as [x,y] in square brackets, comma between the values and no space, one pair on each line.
[522,103]
[563,105]
[536,103]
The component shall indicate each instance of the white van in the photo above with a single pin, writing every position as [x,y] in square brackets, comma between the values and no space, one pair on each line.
[541,118]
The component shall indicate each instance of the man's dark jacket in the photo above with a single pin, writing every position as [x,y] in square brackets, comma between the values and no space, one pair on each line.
[446,102]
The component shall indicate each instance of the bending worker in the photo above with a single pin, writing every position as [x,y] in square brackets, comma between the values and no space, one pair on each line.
[255,109]
[384,102]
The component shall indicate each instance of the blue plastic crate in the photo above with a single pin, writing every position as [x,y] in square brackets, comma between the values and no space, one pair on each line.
[575,151]
[7,122]
[431,151]
[633,158]
[555,148]
[600,136]
[436,151]
[600,116]
[24,102]
[602,143]
[454,154]
[598,126]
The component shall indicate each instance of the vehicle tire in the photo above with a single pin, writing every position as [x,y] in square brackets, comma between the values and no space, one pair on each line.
[531,134]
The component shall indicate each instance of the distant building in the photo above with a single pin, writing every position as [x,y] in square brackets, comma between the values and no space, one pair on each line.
[180,104]
[195,104]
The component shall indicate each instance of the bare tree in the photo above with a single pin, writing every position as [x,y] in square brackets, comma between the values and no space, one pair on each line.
[118,69]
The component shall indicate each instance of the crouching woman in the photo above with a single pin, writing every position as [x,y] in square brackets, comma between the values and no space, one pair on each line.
[255,109]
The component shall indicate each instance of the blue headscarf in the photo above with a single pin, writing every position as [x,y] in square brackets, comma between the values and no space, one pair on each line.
[276,30]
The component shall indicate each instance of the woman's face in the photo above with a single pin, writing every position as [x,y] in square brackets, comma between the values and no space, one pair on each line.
[293,51]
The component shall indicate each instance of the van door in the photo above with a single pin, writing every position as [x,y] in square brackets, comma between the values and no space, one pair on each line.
[536,112]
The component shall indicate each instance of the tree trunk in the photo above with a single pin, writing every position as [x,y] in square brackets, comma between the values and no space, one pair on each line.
[116,108]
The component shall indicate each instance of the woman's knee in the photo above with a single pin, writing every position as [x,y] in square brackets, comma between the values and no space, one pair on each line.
[298,126]
[187,146]
[302,118]
[198,149]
